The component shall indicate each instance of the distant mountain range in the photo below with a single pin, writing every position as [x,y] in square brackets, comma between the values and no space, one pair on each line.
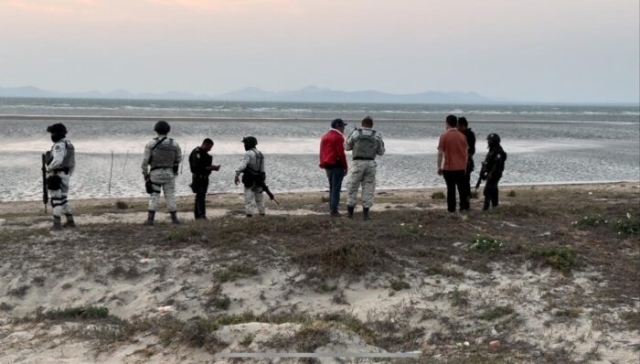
[307,94]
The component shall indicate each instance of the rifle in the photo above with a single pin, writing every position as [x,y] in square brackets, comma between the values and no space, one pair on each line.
[45,191]
[482,172]
[266,190]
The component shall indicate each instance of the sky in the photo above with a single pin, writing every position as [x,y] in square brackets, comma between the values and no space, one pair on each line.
[534,50]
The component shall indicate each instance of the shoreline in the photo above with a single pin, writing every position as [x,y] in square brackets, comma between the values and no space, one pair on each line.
[378,190]
[179,118]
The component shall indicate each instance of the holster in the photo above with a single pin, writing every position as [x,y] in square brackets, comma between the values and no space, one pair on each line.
[54,182]
[148,186]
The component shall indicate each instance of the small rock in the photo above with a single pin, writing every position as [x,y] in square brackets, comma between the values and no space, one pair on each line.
[480,340]
[459,344]
[466,343]
[494,344]
[146,260]
[546,233]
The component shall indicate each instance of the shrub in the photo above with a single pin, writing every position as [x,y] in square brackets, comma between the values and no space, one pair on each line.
[628,226]
[438,195]
[590,222]
[485,244]
[561,258]
[121,205]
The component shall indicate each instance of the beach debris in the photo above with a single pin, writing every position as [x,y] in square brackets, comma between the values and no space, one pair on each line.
[494,344]
[146,260]
[166,309]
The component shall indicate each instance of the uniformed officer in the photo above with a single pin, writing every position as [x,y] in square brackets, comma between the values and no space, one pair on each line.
[253,176]
[200,163]
[365,144]
[60,161]
[162,156]
[492,169]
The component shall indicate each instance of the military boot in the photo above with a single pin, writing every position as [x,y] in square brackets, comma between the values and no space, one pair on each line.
[150,216]
[365,213]
[174,217]
[70,222]
[487,201]
[350,210]
[56,223]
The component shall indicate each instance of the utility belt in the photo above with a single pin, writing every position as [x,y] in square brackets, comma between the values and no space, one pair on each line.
[65,170]
[362,159]
[154,168]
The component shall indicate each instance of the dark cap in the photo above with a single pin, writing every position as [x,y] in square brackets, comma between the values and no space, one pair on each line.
[338,123]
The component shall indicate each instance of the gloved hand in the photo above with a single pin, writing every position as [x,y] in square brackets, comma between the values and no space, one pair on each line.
[236,180]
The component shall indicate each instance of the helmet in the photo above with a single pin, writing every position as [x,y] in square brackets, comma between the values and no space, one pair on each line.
[249,142]
[162,127]
[493,139]
[58,129]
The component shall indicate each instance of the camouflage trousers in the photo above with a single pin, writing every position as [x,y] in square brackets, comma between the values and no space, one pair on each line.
[163,180]
[253,196]
[362,173]
[59,197]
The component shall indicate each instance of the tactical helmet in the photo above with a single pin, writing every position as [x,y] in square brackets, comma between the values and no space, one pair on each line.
[493,139]
[58,129]
[249,142]
[162,127]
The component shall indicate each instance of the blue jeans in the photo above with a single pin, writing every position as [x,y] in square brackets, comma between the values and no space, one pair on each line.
[335,176]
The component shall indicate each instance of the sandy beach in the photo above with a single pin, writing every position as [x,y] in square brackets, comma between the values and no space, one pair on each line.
[550,276]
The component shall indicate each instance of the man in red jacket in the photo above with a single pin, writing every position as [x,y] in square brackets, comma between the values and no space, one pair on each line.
[334,161]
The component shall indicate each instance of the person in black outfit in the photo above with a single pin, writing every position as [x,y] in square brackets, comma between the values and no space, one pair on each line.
[463,126]
[201,167]
[493,167]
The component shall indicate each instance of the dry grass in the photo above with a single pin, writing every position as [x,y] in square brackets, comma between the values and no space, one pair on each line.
[402,247]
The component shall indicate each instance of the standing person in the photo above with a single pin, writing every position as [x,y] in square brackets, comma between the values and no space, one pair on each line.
[463,126]
[60,164]
[162,157]
[200,163]
[452,164]
[366,144]
[253,176]
[334,162]
[492,169]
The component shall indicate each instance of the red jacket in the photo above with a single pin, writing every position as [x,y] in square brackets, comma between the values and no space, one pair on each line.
[332,150]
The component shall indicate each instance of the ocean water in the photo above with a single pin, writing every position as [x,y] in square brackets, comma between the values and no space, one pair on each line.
[545,143]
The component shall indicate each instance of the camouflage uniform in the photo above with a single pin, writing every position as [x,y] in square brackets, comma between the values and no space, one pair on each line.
[61,164]
[253,195]
[366,144]
[160,164]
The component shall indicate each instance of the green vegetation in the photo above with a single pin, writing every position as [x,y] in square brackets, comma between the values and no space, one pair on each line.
[234,272]
[562,258]
[485,244]
[496,312]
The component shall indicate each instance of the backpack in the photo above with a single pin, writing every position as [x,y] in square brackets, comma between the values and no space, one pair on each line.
[365,145]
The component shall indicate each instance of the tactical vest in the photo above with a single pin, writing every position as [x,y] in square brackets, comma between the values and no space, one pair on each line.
[164,155]
[69,160]
[365,146]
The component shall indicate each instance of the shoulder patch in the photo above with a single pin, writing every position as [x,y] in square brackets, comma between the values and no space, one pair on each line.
[57,147]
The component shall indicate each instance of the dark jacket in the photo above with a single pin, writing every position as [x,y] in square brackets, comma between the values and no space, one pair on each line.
[471,142]
[199,160]
[494,163]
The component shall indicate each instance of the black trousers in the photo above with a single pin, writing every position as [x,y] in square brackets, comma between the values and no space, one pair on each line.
[456,179]
[491,193]
[200,187]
